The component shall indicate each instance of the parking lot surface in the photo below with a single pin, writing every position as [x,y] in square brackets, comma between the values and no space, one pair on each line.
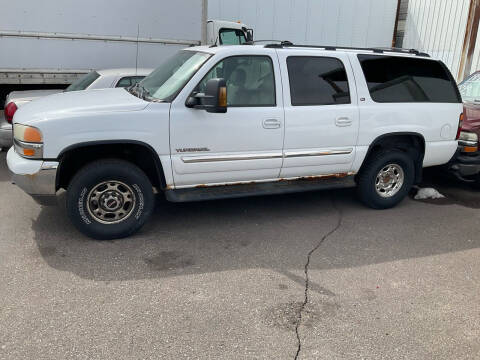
[227,280]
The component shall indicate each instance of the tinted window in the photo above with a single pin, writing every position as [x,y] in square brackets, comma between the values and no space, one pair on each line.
[232,37]
[250,80]
[317,81]
[124,82]
[136,79]
[84,82]
[129,80]
[403,79]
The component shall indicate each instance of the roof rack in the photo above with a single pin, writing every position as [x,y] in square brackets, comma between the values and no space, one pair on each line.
[379,50]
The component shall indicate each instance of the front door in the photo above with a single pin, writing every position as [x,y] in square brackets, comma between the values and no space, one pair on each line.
[321,114]
[242,145]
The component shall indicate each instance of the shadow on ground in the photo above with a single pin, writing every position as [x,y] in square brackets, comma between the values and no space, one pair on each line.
[455,191]
[266,232]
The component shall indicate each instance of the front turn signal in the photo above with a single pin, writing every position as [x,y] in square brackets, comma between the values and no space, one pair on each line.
[28,141]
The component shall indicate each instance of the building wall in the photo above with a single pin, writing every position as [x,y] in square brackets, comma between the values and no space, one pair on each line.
[402,21]
[438,27]
[365,23]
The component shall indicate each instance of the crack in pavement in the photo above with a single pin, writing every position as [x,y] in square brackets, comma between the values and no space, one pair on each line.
[307,279]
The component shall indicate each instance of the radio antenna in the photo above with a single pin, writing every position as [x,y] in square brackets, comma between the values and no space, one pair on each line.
[136,58]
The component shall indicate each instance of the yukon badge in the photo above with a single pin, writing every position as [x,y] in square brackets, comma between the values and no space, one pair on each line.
[184,150]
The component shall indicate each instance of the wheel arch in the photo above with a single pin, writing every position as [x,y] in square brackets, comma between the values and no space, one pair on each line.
[412,143]
[74,157]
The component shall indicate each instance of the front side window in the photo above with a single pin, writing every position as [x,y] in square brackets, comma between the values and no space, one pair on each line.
[84,82]
[317,81]
[400,79]
[470,88]
[167,81]
[250,80]
[232,37]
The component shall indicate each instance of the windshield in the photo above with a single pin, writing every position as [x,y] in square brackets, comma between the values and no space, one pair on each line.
[167,80]
[84,82]
[232,37]
[470,88]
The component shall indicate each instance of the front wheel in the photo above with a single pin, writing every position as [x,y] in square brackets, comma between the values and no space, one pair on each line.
[386,179]
[110,199]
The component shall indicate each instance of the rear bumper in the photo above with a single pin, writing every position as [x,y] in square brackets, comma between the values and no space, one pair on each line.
[36,177]
[464,166]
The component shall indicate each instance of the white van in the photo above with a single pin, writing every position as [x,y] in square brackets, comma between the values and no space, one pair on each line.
[221,122]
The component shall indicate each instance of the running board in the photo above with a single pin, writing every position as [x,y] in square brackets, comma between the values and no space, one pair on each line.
[259,189]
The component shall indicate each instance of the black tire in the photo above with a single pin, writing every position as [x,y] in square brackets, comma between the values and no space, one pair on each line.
[367,178]
[129,179]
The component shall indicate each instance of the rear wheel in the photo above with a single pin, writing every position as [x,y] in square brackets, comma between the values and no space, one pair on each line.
[386,179]
[109,199]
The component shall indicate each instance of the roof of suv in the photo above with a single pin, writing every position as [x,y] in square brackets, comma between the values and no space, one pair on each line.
[292,47]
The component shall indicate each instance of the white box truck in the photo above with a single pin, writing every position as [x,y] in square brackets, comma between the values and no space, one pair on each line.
[50,44]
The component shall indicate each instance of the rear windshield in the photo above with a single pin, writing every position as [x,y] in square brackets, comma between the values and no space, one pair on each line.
[470,88]
[396,79]
[84,82]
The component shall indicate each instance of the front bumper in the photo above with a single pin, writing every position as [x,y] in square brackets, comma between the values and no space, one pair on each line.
[36,177]
[465,166]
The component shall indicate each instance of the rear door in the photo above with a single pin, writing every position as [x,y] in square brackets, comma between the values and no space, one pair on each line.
[321,113]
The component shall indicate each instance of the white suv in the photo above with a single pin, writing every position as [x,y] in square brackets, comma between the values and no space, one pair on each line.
[221,122]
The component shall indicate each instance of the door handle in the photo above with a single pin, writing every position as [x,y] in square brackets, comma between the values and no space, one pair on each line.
[343,121]
[271,124]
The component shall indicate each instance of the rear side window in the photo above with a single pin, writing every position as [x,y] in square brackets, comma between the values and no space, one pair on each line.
[395,79]
[317,81]
[129,80]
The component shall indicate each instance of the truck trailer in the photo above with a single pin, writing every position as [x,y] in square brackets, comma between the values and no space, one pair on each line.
[50,45]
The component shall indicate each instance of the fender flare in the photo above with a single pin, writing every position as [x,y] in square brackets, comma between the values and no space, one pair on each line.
[155,156]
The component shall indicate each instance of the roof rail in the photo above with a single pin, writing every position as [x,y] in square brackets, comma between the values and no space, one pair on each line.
[270,42]
[379,50]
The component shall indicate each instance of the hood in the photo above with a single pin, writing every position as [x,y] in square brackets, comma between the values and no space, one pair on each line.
[471,120]
[22,97]
[78,103]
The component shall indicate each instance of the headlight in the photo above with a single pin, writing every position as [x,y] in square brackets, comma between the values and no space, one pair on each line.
[28,141]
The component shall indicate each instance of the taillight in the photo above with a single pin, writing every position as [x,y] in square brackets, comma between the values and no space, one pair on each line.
[460,123]
[10,110]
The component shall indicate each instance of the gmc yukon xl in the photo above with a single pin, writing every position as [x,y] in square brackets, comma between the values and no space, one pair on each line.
[230,121]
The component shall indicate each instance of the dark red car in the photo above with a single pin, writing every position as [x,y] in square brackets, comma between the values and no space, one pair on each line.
[465,164]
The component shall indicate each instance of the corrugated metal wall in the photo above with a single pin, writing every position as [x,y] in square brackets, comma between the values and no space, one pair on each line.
[438,27]
[326,22]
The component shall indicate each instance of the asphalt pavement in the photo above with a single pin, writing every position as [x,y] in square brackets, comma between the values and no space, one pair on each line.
[313,276]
